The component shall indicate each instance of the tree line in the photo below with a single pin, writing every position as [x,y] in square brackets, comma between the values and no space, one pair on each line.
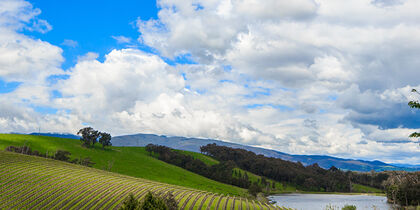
[403,188]
[311,178]
[61,155]
[221,172]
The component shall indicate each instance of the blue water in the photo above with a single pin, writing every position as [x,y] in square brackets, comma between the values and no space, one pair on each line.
[321,201]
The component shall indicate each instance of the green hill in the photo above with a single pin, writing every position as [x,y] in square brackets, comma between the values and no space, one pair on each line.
[131,161]
[30,182]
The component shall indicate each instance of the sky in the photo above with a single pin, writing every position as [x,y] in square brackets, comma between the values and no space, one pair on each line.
[303,77]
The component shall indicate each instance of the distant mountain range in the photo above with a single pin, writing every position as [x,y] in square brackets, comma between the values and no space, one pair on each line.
[59,135]
[193,144]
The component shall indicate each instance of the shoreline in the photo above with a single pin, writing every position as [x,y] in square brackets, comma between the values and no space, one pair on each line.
[328,193]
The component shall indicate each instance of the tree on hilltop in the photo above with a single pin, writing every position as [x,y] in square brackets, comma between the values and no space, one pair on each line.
[89,136]
[105,139]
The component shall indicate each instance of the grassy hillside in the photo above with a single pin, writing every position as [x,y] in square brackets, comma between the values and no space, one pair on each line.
[30,182]
[132,161]
[206,159]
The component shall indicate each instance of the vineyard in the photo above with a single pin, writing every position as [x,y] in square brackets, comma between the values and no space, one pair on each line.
[28,182]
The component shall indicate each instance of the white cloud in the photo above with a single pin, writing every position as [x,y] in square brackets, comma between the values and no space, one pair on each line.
[87,57]
[122,39]
[309,53]
[305,77]
[70,43]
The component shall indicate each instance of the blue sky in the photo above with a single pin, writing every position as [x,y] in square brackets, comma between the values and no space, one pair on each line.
[91,24]
[303,77]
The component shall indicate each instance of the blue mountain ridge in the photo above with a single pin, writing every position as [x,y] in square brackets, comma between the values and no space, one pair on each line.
[193,144]
[59,135]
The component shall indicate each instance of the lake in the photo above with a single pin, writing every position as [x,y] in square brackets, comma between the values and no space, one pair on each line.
[321,201]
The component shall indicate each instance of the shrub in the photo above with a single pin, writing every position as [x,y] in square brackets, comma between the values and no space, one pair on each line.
[62,155]
[153,202]
[150,202]
[130,203]
[170,201]
[349,207]
[254,189]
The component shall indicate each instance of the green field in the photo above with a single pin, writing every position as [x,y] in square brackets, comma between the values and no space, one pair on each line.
[358,188]
[30,182]
[206,159]
[131,161]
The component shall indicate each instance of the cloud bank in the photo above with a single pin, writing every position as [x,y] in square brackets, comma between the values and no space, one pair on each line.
[307,77]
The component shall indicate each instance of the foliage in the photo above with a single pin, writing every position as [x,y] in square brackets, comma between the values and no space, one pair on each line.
[414,105]
[254,189]
[61,155]
[349,207]
[153,202]
[89,136]
[130,203]
[87,161]
[371,179]
[105,139]
[306,178]
[220,172]
[170,201]
[403,188]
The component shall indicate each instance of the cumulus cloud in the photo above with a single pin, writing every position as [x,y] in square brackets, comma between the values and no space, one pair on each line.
[304,77]
[23,58]
[347,66]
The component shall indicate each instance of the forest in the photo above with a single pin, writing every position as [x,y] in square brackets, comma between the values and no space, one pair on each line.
[401,187]
[309,178]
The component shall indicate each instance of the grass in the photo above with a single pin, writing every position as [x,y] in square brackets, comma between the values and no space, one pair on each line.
[206,159]
[52,184]
[131,161]
[279,187]
[358,188]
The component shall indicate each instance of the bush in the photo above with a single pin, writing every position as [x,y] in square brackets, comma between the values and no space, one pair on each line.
[130,203]
[150,202]
[153,202]
[170,201]
[349,207]
[62,155]
[254,189]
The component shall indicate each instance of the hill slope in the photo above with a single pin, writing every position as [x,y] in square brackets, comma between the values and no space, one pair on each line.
[29,182]
[131,161]
[193,144]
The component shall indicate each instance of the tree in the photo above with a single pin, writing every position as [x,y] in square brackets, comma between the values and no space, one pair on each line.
[414,105]
[89,136]
[170,201]
[130,203]
[62,155]
[105,139]
[254,189]
[153,202]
